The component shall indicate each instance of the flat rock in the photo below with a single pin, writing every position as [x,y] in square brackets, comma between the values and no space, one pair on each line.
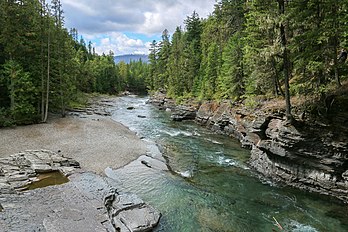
[129,213]
[78,204]
[21,169]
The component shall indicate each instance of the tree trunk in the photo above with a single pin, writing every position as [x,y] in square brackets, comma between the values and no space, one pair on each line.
[335,47]
[42,61]
[286,63]
[277,85]
[12,87]
[48,69]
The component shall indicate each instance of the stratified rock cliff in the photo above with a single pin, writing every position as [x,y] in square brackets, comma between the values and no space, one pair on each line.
[307,154]
[310,157]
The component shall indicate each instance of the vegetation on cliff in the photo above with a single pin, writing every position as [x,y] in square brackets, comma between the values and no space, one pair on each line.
[255,48]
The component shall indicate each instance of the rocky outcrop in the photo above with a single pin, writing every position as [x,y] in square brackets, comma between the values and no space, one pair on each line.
[129,213]
[88,202]
[22,169]
[161,101]
[184,112]
[179,112]
[96,106]
[308,156]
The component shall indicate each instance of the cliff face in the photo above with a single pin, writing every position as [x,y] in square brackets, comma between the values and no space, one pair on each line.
[306,155]
[310,157]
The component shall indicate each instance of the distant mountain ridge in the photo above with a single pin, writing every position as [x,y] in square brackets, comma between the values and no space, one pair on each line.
[131,57]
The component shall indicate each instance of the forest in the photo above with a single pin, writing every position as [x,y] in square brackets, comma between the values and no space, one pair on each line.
[244,49]
[45,67]
[251,48]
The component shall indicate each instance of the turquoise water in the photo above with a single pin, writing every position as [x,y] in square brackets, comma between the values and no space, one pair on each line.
[210,186]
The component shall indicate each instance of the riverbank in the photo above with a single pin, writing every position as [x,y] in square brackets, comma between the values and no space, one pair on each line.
[90,201]
[310,154]
[85,138]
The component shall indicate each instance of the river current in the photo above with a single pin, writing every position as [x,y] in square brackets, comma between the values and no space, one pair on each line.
[210,186]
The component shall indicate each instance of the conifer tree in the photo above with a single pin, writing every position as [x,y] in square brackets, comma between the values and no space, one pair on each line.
[231,79]
[174,69]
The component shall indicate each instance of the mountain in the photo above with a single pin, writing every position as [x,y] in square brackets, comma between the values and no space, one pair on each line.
[130,57]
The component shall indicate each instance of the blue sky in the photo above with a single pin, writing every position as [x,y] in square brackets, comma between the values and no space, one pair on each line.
[129,26]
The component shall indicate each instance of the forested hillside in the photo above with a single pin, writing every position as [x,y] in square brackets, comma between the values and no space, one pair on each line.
[251,48]
[243,49]
[131,57]
[45,67]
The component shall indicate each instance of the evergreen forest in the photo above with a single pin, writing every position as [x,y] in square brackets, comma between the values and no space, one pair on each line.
[244,49]
[45,67]
[251,48]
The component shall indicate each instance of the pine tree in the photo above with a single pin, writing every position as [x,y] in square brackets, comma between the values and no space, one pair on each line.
[152,79]
[192,51]
[163,59]
[211,72]
[22,93]
[231,79]
[262,50]
[174,69]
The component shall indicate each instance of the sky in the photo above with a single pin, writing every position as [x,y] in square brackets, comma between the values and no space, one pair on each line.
[129,26]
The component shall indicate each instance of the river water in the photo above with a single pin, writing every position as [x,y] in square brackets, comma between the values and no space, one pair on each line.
[210,186]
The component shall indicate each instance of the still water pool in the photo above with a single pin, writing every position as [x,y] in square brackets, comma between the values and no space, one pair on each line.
[210,186]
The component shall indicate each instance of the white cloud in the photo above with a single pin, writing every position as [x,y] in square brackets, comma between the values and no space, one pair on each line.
[100,18]
[120,44]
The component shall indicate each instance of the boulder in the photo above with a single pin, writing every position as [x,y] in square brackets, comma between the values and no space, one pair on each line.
[129,213]
[183,112]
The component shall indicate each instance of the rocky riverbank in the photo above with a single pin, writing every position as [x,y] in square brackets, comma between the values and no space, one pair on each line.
[309,155]
[88,200]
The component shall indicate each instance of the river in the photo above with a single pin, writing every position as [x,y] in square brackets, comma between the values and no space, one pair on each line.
[210,186]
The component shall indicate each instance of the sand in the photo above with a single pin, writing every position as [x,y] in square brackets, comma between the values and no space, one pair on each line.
[96,142]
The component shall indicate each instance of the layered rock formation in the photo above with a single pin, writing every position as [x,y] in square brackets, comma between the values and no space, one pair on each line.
[22,169]
[88,202]
[129,213]
[308,155]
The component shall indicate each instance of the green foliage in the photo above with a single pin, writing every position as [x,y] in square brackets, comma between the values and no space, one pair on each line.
[211,72]
[231,79]
[248,49]
[175,63]
[242,50]
[44,68]
[22,93]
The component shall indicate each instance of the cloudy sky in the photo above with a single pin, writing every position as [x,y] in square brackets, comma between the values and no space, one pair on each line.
[129,26]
